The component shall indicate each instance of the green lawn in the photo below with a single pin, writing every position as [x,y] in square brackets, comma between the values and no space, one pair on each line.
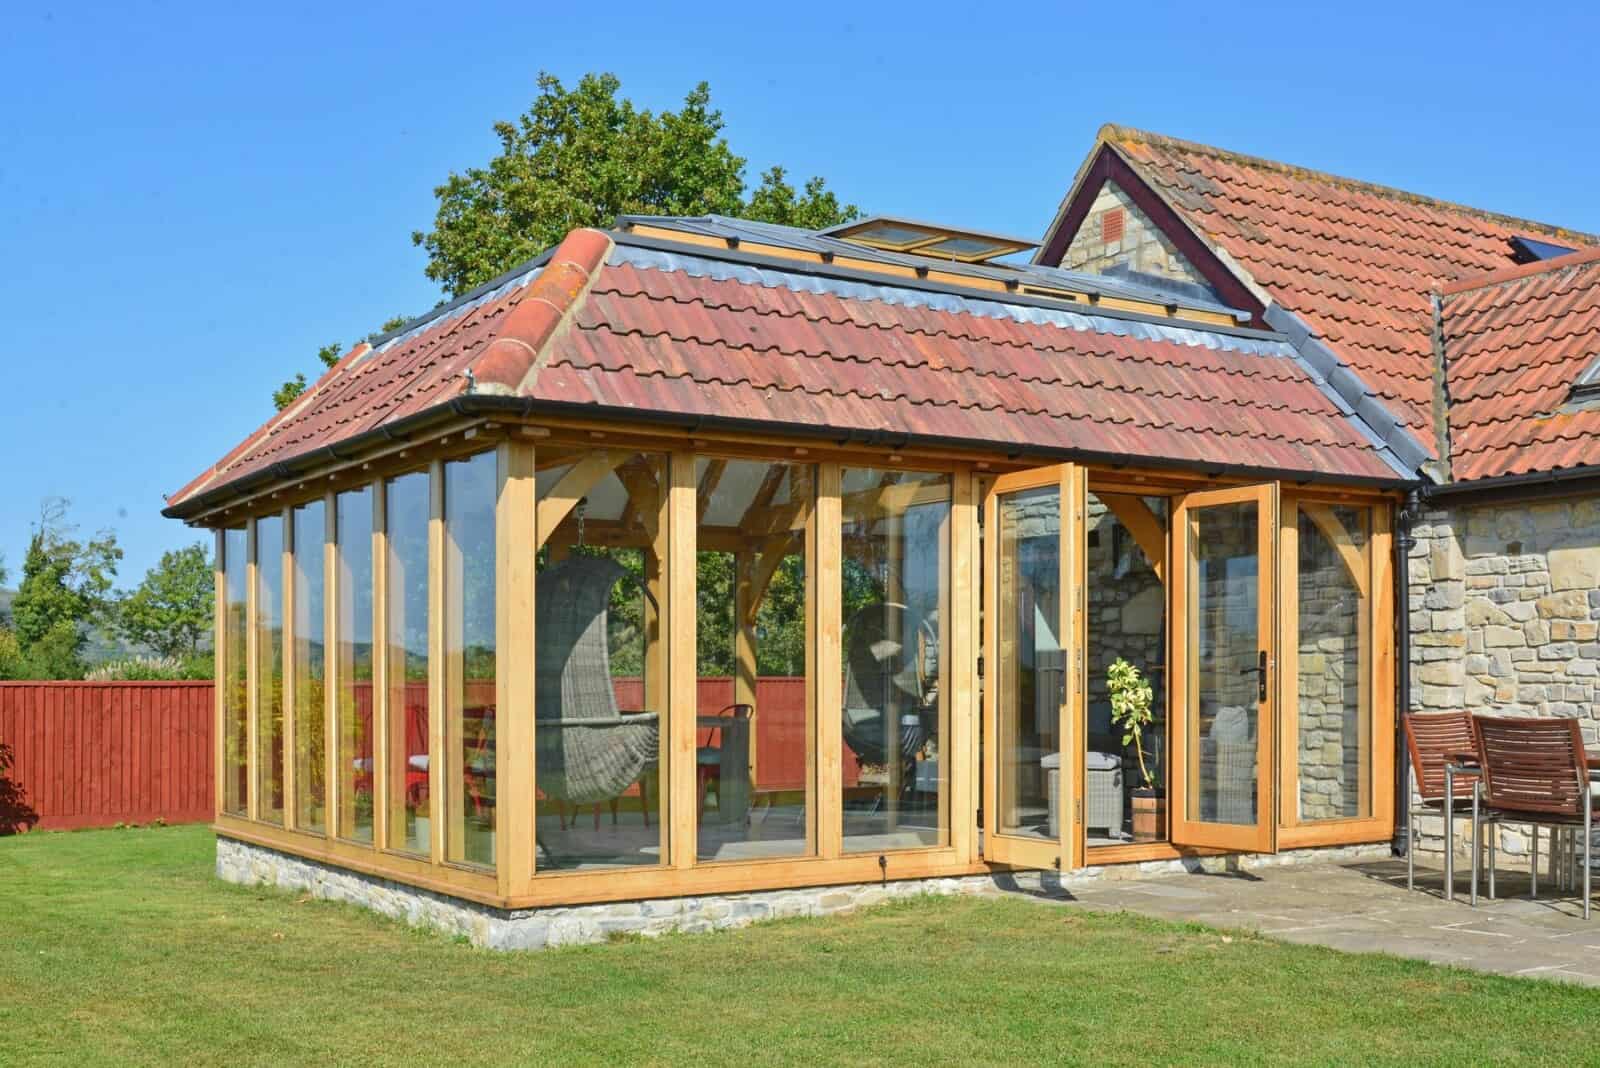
[119,946]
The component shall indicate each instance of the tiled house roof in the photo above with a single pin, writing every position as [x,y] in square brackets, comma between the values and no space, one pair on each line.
[1514,343]
[611,328]
[1356,263]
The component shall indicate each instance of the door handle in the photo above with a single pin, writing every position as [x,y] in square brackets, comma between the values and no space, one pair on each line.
[1261,675]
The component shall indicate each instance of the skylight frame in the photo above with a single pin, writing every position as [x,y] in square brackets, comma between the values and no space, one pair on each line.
[1586,387]
[859,232]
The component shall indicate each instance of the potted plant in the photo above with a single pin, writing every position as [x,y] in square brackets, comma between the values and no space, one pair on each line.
[1132,710]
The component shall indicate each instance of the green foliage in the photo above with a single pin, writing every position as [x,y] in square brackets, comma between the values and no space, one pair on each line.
[813,208]
[1132,705]
[13,665]
[583,156]
[66,587]
[170,611]
[291,390]
[152,669]
[16,814]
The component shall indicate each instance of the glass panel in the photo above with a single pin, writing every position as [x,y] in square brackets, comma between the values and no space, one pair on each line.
[470,491]
[1335,663]
[1224,646]
[600,690]
[235,675]
[887,233]
[895,596]
[1031,673]
[965,246]
[353,583]
[310,667]
[1127,622]
[753,751]
[269,668]
[406,511]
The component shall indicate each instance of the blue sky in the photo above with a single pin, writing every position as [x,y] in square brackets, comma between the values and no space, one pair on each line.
[193,200]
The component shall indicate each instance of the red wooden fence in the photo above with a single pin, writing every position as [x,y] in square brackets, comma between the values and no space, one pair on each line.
[91,754]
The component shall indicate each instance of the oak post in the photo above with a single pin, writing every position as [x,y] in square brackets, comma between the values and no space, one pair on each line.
[515,575]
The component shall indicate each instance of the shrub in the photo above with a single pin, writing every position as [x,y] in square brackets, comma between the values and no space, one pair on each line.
[16,815]
[151,669]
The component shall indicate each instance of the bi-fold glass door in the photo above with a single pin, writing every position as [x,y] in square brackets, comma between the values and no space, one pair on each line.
[1222,601]
[1033,691]
[1225,678]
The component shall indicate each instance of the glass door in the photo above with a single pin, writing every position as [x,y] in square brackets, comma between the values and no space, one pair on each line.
[1223,772]
[1033,646]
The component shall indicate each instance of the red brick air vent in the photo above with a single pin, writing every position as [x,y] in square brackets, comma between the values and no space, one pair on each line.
[1111,225]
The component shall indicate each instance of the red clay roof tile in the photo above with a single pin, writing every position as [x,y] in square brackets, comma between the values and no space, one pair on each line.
[1356,262]
[684,335]
[1515,342]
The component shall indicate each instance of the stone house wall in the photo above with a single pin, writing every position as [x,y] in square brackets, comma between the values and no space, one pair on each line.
[1329,711]
[1505,614]
[1141,247]
[1127,610]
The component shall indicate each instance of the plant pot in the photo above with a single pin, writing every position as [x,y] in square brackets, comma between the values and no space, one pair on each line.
[1149,815]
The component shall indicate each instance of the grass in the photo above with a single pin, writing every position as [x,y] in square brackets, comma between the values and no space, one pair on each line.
[119,946]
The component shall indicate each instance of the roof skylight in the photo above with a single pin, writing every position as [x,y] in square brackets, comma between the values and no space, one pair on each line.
[926,239]
[1525,249]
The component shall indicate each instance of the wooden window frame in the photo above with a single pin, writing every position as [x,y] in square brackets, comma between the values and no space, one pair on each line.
[1294,833]
[515,881]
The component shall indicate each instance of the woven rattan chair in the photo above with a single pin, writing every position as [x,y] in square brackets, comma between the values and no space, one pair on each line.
[1534,772]
[886,686]
[588,751]
[1430,738]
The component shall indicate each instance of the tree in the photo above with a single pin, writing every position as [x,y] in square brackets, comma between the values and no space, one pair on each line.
[290,391]
[816,208]
[583,156]
[170,611]
[65,587]
[329,355]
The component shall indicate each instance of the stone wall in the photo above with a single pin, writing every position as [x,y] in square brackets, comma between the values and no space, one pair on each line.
[1505,613]
[1332,626]
[1096,248]
[492,928]
[1127,613]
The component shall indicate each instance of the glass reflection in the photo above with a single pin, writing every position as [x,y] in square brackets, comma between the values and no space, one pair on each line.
[895,597]
[1334,668]
[354,722]
[406,511]
[235,673]
[310,667]
[753,755]
[269,668]
[1225,649]
[600,660]
[470,490]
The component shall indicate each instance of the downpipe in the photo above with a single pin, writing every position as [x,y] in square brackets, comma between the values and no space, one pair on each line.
[1403,544]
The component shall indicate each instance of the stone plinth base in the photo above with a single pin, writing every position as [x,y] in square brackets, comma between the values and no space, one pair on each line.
[253,865]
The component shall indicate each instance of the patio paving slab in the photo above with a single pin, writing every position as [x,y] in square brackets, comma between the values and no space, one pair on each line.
[1366,908]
